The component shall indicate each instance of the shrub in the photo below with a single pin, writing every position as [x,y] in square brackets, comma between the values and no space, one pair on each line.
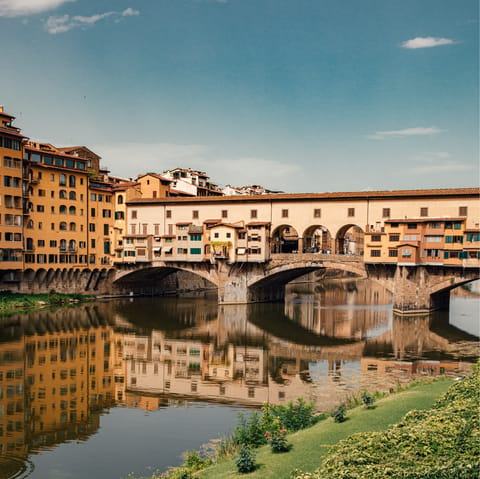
[367,400]
[277,440]
[246,459]
[339,414]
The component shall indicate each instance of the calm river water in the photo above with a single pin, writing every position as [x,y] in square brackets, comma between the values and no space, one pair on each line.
[108,388]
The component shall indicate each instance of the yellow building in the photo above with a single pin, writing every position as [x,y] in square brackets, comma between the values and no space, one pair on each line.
[12,194]
[56,217]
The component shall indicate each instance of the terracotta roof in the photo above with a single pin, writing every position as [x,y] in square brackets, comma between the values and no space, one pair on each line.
[212,221]
[155,175]
[228,225]
[12,132]
[360,195]
[184,223]
[258,223]
[180,192]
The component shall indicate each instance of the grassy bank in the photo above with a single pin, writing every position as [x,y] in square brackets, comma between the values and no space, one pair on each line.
[309,446]
[14,301]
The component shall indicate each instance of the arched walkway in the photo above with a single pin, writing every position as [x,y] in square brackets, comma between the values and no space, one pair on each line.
[350,240]
[317,239]
[285,240]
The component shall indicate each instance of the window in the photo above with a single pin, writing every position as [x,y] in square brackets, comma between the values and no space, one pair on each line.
[168,213]
[63,226]
[73,227]
[284,213]
[62,180]
[224,213]
[462,211]
[106,213]
[40,208]
[91,227]
[317,213]
[134,214]
[41,192]
[253,214]
[72,195]
[406,252]
[375,253]
[195,214]
[195,250]
[93,197]
[63,210]
[92,212]
[424,211]
[105,229]
[351,212]
[62,194]
[120,200]
[412,226]
[72,210]
[386,213]
[392,253]
[394,237]
[195,237]
[376,238]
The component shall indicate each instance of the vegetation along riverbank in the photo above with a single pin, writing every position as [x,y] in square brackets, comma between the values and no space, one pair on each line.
[13,301]
[431,430]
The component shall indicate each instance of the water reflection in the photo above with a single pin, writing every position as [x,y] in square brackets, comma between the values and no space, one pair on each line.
[60,370]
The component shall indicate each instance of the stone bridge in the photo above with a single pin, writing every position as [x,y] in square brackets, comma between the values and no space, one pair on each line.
[415,289]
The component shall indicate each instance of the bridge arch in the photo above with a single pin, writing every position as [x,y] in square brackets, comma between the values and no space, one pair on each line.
[349,240]
[141,277]
[284,239]
[317,239]
[271,286]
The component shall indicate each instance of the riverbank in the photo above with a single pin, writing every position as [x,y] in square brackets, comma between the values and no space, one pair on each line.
[11,302]
[309,446]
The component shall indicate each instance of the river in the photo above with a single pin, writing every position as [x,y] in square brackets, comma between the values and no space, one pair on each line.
[108,388]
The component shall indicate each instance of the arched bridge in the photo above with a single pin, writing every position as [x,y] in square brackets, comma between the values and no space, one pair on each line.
[415,288]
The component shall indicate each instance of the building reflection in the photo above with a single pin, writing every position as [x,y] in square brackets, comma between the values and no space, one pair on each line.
[59,370]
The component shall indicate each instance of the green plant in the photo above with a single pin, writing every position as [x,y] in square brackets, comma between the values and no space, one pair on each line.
[245,461]
[277,440]
[339,414]
[367,400]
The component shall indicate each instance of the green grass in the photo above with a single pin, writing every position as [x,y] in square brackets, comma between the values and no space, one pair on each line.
[13,301]
[311,445]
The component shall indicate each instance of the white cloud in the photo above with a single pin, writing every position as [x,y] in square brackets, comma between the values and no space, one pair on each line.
[125,160]
[65,23]
[17,8]
[436,162]
[418,131]
[426,42]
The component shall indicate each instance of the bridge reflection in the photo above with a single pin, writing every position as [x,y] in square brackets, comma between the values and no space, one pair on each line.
[60,368]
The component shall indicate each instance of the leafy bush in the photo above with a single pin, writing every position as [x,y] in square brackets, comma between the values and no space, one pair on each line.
[245,462]
[440,443]
[367,400]
[339,414]
[277,440]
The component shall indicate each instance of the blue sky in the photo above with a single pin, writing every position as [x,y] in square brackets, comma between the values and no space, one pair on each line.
[297,95]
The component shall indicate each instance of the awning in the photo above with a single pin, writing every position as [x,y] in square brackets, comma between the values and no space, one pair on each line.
[168,249]
[241,250]
[157,250]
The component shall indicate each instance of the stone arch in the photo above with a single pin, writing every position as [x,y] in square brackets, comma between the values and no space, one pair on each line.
[350,240]
[140,278]
[285,239]
[317,239]
[271,286]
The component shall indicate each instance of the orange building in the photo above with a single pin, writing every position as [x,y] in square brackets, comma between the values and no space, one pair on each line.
[13,190]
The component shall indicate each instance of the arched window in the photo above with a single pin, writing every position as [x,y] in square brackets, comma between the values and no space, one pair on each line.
[63,226]
[30,224]
[62,194]
[73,227]
[71,181]
[72,246]
[72,210]
[120,199]
[63,210]
[72,195]
[62,180]
[63,245]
